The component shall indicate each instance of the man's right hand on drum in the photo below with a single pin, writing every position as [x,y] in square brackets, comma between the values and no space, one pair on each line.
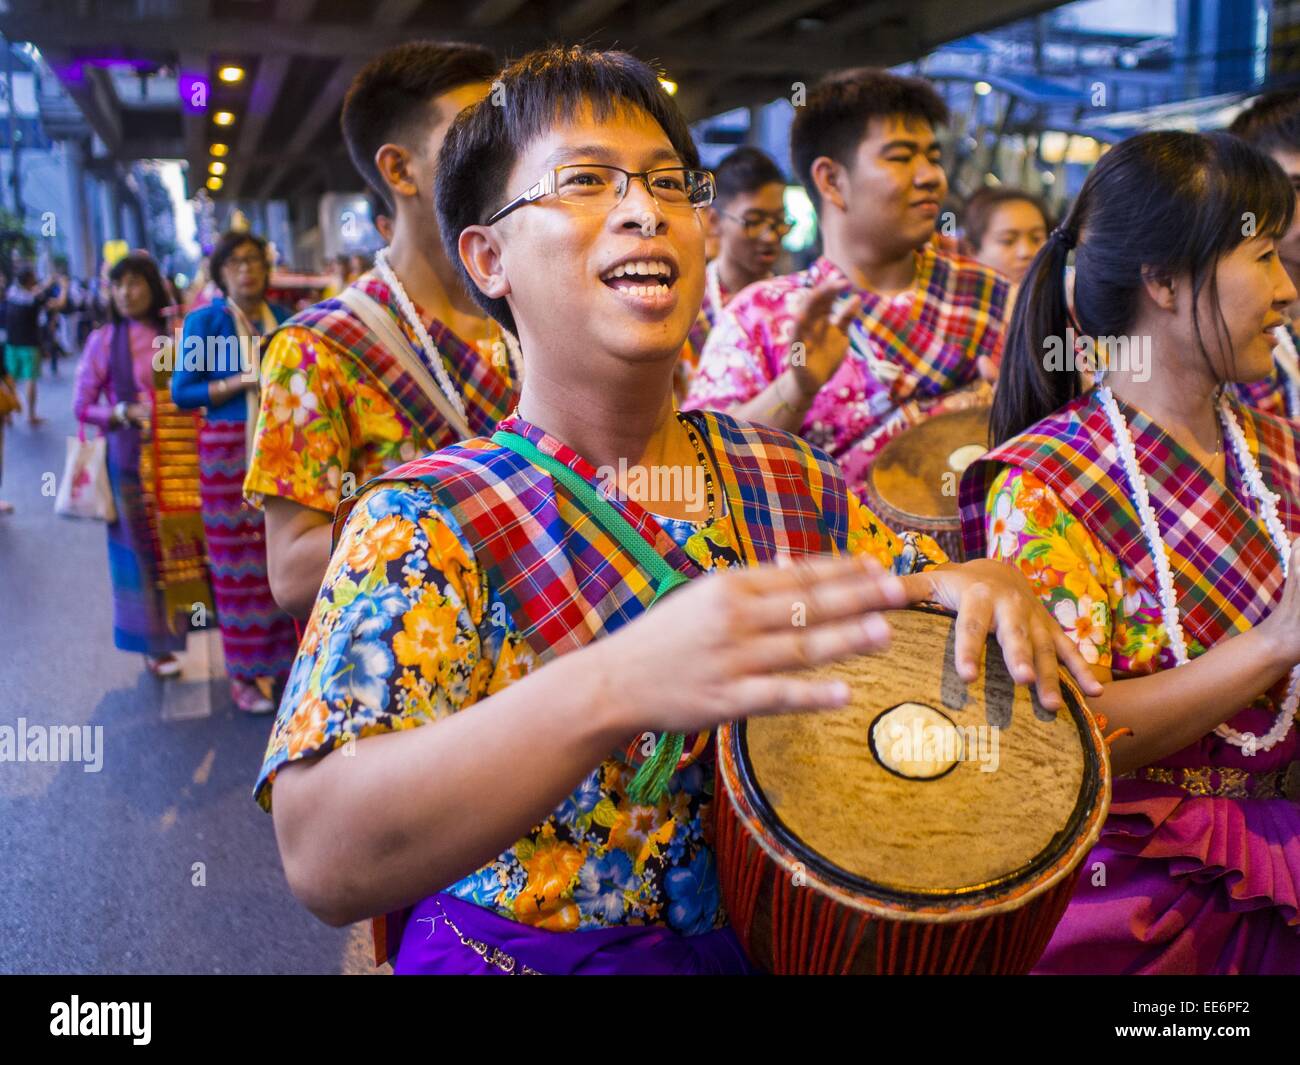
[725,646]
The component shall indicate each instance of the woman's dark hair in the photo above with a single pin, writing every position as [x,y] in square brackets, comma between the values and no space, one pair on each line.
[746,170]
[537,92]
[984,204]
[143,267]
[1164,204]
[230,242]
[833,120]
[389,100]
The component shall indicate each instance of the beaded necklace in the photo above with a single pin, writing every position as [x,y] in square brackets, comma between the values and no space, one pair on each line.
[1267,502]
[432,356]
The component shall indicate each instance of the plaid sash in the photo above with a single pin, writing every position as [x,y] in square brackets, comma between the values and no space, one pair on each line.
[563,579]
[1226,572]
[488,396]
[935,340]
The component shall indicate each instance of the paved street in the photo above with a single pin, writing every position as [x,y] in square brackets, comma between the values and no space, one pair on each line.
[97,869]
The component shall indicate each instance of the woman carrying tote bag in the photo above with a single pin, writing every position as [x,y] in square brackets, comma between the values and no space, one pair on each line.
[155,547]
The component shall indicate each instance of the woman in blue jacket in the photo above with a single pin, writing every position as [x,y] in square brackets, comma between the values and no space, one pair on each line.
[216,369]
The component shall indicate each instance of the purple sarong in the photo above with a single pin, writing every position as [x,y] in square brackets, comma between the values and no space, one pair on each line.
[429,946]
[1182,884]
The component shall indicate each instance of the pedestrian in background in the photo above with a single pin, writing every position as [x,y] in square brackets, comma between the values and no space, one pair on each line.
[114,390]
[216,369]
[23,302]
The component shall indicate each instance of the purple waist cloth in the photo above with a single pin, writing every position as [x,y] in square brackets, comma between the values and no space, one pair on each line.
[430,947]
[1180,884]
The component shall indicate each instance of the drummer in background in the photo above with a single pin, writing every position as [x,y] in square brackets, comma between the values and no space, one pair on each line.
[1272,124]
[927,324]
[454,582]
[1198,868]
[748,216]
[1005,227]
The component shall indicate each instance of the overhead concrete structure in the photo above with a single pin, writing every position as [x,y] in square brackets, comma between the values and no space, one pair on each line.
[145,73]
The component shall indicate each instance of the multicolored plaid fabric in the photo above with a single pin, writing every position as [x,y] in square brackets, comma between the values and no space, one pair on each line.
[707,318]
[489,395]
[937,338]
[563,578]
[911,352]
[1276,394]
[1225,568]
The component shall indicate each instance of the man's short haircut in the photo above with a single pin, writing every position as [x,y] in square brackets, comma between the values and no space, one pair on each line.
[746,170]
[1271,122]
[388,101]
[833,120]
[538,91]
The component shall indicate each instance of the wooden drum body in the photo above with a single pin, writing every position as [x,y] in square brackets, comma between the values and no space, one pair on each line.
[927,827]
[913,483]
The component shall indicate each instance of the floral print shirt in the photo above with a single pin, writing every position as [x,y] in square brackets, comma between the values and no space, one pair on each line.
[1111,617]
[857,411]
[328,422]
[408,629]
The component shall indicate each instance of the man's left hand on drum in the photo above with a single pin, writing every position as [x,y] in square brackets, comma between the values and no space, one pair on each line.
[993,598]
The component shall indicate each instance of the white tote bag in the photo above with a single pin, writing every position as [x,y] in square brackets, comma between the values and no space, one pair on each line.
[85,490]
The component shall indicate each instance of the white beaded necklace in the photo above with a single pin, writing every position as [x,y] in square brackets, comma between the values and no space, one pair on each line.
[1267,500]
[433,357]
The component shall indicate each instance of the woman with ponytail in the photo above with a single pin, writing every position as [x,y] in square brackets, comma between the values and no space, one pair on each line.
[1156,516]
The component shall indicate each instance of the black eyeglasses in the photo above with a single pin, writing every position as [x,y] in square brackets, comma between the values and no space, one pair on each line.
[755,226]
[601,186]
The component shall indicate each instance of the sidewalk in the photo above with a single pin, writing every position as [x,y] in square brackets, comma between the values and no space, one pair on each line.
[161,861]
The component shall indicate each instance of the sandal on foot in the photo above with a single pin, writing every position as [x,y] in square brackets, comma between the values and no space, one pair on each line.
[249,699]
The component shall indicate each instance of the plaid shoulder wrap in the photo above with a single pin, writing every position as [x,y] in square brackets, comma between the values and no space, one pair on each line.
[1227,575]
[564,580]
[959,315]
[488,396]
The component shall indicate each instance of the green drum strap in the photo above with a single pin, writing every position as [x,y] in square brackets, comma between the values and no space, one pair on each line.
[651,779]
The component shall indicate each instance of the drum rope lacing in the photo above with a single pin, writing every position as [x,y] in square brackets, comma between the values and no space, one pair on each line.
[1267,502]
[432,355]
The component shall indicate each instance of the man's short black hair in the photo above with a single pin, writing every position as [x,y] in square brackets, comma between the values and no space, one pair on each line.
[226,246]
[1271,122]
[745,170]
[389,99]
[833,120]
[537,92]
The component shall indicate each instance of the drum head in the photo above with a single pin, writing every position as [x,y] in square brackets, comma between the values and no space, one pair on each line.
[924,788]
[917,472]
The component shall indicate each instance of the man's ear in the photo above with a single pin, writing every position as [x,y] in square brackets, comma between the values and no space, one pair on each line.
[1160,288]
[480,251]
[394,165]
[827,177]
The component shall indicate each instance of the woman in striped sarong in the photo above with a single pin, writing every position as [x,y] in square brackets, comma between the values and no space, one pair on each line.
[216,368]
[157,572]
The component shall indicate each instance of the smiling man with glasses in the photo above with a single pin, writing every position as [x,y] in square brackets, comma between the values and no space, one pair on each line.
[749,221]
[506,577]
